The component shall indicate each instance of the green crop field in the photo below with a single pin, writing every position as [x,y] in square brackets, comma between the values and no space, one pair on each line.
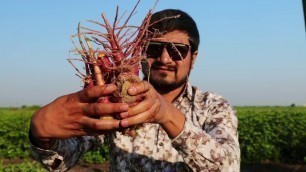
[274,134]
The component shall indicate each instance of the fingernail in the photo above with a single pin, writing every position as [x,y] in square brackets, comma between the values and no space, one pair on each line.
[124,107]
[124,123]
[124,114]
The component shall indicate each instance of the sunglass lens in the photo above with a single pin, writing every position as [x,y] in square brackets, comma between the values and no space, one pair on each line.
[177,52]
[154,50]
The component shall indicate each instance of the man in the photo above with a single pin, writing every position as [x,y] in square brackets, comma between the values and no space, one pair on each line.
[182,128]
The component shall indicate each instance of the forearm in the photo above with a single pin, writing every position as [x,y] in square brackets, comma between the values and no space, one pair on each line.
[174,122]
[59,157]
[64,153]
[41,143]
[209,138]
[202,150]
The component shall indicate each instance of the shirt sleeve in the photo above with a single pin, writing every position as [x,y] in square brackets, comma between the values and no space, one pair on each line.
[213,146]
[64,153]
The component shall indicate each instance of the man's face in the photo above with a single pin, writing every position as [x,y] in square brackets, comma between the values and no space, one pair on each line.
[165,72]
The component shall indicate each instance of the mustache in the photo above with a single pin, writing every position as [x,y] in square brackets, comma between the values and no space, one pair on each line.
[157,65]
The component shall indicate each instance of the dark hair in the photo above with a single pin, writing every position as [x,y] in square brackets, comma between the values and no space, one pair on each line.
[165,21]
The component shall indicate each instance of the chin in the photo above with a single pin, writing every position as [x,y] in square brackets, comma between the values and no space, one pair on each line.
[165,84]
[161,78]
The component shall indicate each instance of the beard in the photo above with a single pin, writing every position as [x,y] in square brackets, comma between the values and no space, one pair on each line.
[162,85]
[162,82]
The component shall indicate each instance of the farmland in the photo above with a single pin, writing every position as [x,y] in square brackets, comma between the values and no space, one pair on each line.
[266,135]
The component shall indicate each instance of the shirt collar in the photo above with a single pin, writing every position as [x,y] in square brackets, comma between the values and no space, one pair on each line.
[189,91]
[186,93]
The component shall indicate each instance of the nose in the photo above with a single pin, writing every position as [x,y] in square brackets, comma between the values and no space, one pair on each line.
[165,57]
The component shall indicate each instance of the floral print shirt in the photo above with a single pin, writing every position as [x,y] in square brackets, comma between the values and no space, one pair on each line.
[208,141]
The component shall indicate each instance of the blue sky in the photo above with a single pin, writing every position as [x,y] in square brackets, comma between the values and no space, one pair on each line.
[251,52]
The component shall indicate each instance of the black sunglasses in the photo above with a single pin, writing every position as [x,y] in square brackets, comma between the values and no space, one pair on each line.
[177,51]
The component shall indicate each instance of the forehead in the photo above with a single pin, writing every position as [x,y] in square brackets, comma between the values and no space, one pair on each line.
[174,36]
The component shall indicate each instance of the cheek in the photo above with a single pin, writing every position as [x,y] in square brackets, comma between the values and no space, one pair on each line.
[184,67]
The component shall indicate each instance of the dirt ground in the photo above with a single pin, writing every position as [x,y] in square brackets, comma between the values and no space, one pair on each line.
[266,167]
[274,167]
[90,168]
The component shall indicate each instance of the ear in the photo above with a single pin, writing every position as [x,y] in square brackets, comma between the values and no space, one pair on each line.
[194,57]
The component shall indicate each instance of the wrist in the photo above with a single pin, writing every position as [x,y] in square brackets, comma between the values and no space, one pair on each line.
[174,122]
[41,143]
[35,137]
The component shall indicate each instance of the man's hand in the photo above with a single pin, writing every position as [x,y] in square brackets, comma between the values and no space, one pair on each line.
[76,115]
[154,108]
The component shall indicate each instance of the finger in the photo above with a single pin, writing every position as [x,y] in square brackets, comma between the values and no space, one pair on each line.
[99,125]
[88,132]
[100,109]
[141,118]
[142,106]
[138,88]
[88,94]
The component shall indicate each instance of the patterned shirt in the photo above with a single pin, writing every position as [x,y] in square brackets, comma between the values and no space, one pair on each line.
[207,142]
